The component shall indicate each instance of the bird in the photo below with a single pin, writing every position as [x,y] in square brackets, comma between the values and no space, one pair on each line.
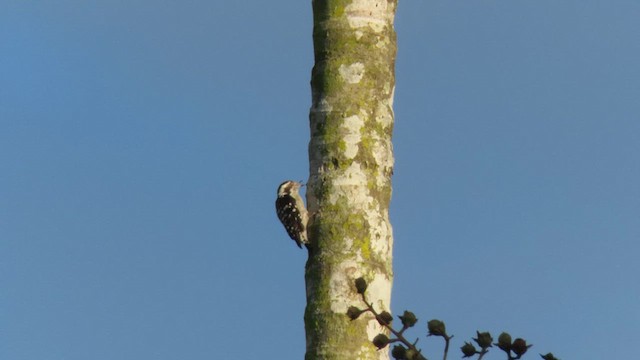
[291,211]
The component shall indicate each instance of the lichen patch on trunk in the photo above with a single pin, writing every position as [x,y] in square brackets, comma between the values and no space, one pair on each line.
[352,128]
[375,14]
[353,73]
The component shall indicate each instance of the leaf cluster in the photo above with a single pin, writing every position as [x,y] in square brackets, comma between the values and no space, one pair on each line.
[407,350]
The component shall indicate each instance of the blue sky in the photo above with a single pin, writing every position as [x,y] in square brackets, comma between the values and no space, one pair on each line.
[141,144]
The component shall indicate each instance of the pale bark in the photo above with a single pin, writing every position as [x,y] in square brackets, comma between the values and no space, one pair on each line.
[351,163]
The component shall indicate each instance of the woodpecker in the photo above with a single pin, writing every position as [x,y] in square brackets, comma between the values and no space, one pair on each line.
[291,211]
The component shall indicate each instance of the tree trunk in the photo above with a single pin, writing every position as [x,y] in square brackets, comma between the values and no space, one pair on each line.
[350,165]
